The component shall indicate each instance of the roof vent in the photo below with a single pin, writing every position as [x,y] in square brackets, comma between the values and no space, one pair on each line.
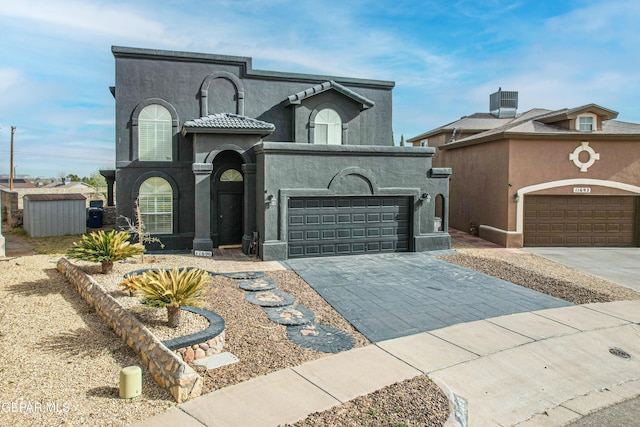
[503,104]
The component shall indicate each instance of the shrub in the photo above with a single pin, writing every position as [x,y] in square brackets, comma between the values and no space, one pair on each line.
[171,289]
[105,248]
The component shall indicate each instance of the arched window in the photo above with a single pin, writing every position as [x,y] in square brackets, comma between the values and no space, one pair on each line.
[328,127]
[231,175]
[154,134]
[156,206]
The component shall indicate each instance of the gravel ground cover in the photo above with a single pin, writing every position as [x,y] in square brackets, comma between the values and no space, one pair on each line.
[414,402]
[59,363]
[540,274]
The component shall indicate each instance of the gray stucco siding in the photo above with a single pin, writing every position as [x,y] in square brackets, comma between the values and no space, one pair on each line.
[191,85]
[180,176]
[179,83]
[288,171]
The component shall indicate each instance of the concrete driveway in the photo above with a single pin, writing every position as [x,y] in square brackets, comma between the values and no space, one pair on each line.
[617,265]
[387,296]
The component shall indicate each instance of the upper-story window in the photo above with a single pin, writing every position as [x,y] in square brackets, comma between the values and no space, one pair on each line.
[154,134]
[328,127]
[586,123]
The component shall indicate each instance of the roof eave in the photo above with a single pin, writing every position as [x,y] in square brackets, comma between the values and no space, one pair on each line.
[540,135]
[234,131]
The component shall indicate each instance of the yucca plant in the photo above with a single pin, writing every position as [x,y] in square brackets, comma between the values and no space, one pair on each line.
[171,289]
[105,248]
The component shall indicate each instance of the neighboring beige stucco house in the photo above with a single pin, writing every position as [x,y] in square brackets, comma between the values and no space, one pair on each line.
[569,177]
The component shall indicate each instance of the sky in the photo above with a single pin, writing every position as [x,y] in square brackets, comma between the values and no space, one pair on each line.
[446,58]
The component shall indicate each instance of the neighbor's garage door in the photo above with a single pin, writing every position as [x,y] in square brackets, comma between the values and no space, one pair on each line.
[327,226]
[579,220]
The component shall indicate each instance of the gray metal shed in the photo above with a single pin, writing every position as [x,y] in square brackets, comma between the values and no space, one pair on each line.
[54,214]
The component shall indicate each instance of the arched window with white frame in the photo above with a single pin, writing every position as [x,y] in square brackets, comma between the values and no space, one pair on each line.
[156,206]
[328,127]
[155,142]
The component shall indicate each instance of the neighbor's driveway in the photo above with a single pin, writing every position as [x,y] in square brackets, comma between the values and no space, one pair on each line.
[617,265]
[392,295]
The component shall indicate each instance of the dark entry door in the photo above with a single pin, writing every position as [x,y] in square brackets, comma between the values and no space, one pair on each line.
[229,218]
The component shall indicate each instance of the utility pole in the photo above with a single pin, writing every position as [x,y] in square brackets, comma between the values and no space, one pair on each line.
[13,131]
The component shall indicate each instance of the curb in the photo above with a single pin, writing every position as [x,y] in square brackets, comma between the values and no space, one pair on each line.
[458,412]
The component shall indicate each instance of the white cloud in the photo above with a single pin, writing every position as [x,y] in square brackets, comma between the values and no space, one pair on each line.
[76,19]
[9,77]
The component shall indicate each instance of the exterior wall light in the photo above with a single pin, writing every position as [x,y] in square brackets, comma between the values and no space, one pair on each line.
[426,196]
[516,197]
[268,199]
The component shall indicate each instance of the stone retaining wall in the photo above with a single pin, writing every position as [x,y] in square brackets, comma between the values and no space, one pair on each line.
[168,369]
[10,212]
[202,350]
[109,215]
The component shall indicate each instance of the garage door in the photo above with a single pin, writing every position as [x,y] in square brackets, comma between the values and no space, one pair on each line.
[328,226]
[579,220]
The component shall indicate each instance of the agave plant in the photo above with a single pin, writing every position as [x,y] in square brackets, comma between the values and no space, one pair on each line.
[105,248]
[171,289]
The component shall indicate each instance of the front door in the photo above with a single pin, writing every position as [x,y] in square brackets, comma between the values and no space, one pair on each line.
[229,218]
[227,204]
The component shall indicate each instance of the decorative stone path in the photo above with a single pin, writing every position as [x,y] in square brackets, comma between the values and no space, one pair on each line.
[262,284]
[320,337]
[245,275]
[291,315]
[300,321]
[272,298]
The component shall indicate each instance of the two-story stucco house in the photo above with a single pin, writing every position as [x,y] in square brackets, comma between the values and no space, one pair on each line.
[287,165]
[568,177]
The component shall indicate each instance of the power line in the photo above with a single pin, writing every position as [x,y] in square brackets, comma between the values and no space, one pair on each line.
[46,155]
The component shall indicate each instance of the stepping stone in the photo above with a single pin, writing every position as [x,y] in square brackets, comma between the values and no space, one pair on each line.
[272,298]
[261,284]
[320,337]
[217,360]
[291,315]
[245,275]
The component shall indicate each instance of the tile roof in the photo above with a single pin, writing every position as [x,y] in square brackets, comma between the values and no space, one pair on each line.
[533,122]
[322,87]
[475,122]
[228,122]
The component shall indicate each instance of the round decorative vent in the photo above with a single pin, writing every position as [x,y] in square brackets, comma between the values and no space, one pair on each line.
[575,156]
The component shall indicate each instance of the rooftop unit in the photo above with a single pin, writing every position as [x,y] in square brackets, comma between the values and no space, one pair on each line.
[503,104]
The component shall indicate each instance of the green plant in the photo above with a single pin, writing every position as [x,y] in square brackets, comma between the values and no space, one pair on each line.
[171,289]
[105,248]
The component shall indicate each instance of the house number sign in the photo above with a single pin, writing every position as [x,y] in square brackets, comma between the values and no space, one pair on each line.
[581,190]
[202,253]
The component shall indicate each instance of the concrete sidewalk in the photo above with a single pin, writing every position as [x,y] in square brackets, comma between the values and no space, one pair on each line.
[547,367]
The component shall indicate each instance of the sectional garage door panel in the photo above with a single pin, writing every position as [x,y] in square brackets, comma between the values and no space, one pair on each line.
[329,226]
[579,220]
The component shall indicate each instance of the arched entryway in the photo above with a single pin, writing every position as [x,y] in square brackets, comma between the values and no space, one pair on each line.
[227,188]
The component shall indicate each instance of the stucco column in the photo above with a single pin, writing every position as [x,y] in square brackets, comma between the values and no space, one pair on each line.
[110,177]
[202,244]
[249,205]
